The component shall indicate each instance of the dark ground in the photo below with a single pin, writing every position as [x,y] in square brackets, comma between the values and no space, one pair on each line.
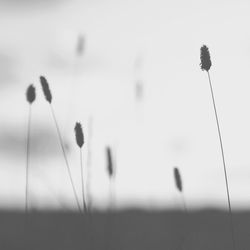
[123,230]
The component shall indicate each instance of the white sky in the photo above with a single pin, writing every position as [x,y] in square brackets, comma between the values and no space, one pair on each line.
[175,124]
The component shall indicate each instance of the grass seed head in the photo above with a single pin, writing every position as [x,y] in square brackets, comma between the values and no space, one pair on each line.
[205,58]
[46,89]
[110,167]
[79,134]
[31,94]
[177,177]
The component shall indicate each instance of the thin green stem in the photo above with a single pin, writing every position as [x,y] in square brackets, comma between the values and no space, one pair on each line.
[83,196]
[27,160]
[223,160]
[65,158]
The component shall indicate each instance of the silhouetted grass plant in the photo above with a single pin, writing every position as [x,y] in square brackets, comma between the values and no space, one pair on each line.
[48,97]
[206,64]
[110,166]
[111,174]
[89,162]
[80,141]
[179,186]
[30,96]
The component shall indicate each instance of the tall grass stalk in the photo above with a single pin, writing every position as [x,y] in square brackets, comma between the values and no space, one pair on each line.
[80,141]
[206,65]
[48,97]
[27,161]
[179,186]
[82,178]
[89,162]
[30,96]
[111,174]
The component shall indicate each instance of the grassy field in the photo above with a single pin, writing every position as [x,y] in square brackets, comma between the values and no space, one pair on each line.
[123,230]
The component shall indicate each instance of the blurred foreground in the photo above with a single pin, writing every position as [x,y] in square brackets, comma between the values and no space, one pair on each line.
[128,230]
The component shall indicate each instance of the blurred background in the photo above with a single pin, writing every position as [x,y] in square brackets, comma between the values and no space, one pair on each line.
[129,72]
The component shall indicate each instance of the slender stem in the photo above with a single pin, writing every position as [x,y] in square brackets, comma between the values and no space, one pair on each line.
[111,193]
[223,160]
[83,196]
[184,236]
[85,207]
[110,216]
[89,163]
[27,161]
[184,203]
[65,158]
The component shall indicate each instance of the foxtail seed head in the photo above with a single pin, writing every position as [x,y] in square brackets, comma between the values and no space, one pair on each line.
[46,89]
[110,167]
[79,134]
[31,94]
[205,58]
[177,178]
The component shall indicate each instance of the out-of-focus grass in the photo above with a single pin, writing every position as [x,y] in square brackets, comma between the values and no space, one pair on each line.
[132,230]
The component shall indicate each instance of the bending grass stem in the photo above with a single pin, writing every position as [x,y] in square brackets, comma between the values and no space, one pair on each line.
[83,196]
[65,157]
[89,163]
[223,159]
[27,161]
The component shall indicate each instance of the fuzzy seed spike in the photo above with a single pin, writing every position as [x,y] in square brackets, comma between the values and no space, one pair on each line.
[177,177]
[110,167]
[31,94]
[46,89]
[79,134]
[205,58]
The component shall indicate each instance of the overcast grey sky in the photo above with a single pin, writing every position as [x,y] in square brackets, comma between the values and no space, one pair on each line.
[173,126]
